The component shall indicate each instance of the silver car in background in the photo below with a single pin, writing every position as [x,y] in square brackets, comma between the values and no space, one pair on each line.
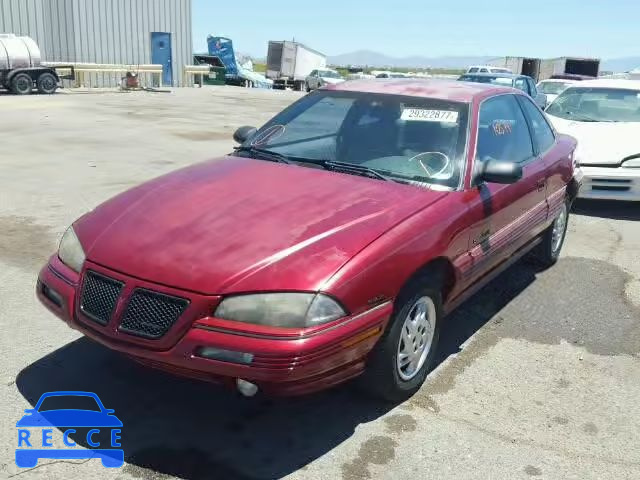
[318,78]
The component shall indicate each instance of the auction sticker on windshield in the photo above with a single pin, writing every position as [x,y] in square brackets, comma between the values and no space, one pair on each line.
[424,115]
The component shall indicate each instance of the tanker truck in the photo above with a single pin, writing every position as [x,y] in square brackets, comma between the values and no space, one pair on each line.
[21,69]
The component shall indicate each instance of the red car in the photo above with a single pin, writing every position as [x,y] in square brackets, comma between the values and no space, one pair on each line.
[331,243]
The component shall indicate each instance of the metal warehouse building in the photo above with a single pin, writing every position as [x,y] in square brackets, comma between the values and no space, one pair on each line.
[129,32]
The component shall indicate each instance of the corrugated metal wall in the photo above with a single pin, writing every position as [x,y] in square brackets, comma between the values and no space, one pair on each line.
[102,31]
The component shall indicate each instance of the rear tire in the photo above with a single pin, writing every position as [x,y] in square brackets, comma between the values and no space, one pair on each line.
[47,83]
[21,84]
[548,252]
[397,367]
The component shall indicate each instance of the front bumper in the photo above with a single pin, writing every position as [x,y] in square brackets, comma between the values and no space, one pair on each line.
[615,183]
[283,361]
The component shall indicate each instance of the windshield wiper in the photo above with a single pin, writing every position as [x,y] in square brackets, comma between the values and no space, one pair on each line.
[353,169]
[264,154]
[581,118]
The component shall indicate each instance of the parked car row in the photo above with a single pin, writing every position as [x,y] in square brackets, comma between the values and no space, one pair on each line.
[329,245]
[604,117]
[521,82]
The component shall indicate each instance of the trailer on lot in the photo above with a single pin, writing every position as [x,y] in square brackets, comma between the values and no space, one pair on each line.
[588,67]
[21,67]
[289,64]
[519,65]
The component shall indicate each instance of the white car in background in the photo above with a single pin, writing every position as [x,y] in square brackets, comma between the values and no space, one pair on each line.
[554,87]
[604,116]
[487,69]
[318,78]
[388,74]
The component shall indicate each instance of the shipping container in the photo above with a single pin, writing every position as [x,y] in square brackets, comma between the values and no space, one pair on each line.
[588,67]
[519,65]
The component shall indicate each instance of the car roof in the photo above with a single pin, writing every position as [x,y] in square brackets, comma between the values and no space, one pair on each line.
[609,83]
[559,80]
[439,89]
[571,76]
[487,66]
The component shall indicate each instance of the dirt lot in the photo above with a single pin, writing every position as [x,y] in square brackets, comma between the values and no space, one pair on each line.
[538,375]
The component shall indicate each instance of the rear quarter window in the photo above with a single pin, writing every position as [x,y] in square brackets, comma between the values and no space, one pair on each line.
[542,133]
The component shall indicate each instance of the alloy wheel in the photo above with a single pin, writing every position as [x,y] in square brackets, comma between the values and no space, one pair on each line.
[416,338]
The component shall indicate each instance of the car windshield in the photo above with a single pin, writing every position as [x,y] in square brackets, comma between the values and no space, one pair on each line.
[552,88]
[329,74]
[597,104]
[406,139]
[502,81]
[69,402]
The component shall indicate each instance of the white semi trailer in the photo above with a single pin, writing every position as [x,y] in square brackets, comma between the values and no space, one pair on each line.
[21,67]
[289,63]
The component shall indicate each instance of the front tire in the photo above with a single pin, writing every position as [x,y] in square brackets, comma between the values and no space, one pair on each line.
[400,362]
[548,251]
[22,84]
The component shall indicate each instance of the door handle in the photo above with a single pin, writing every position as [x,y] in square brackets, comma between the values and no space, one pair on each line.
[541,185]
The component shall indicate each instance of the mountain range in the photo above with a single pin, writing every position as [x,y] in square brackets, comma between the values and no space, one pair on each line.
[376,59]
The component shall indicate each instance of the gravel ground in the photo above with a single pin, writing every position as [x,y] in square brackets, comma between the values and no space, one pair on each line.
[538,374]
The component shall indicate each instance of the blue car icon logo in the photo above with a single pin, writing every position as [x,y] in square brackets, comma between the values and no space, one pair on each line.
[36,437]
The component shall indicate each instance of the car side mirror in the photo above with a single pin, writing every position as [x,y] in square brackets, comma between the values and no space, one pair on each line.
[499,171]
[243,134]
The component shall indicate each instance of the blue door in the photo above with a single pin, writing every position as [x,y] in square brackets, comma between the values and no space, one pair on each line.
[161,55]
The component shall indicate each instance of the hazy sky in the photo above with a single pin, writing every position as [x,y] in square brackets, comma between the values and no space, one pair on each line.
[541,28]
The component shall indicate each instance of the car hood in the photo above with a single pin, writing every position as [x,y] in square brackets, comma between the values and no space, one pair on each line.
[601,143]
[238,224]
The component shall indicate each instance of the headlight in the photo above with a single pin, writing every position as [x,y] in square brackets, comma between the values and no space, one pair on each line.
[70,251]
[292,310]
[633,162]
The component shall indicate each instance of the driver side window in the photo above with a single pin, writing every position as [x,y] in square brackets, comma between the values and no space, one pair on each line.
[503,133]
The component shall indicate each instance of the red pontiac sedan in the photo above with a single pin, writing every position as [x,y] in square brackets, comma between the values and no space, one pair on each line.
[330,244]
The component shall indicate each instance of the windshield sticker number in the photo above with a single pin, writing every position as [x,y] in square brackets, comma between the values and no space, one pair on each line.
[423,115]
